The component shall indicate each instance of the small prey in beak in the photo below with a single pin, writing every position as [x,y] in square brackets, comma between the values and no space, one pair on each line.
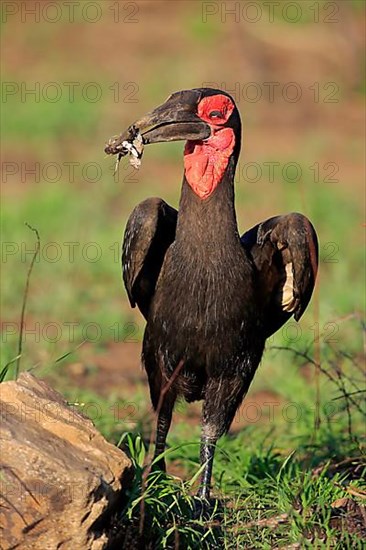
[122,145]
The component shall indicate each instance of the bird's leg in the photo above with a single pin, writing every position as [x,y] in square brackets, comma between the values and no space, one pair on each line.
[207,453]
[222,398]
[162,428]
[212,429]
[163,397]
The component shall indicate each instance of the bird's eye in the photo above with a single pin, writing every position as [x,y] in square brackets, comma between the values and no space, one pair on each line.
[215,114]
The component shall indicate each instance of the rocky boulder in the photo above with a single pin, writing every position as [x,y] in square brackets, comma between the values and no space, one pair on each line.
[60,480]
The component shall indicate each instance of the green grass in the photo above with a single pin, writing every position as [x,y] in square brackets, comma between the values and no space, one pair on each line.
[272,488]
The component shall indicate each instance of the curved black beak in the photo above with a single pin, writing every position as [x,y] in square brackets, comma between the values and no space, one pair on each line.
[174,120]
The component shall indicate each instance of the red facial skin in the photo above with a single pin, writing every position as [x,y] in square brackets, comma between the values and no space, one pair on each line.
[206,161]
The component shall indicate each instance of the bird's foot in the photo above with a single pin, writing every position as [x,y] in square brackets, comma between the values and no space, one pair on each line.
[203,507]
[158,465]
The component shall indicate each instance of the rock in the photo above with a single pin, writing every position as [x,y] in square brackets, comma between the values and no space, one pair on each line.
[60,480]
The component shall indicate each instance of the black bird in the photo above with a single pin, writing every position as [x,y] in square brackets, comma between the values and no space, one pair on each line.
[209,296]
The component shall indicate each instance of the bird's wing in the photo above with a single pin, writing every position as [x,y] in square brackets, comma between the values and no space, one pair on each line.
[149,232]
[284,251]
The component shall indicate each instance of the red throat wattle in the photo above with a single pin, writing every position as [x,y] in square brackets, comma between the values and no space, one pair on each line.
[205,161]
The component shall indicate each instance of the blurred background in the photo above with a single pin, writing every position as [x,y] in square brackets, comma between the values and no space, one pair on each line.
[76,73]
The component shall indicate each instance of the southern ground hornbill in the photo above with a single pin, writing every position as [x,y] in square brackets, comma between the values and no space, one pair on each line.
[209,296]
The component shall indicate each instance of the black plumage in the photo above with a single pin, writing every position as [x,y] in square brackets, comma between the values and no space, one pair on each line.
[209,296]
